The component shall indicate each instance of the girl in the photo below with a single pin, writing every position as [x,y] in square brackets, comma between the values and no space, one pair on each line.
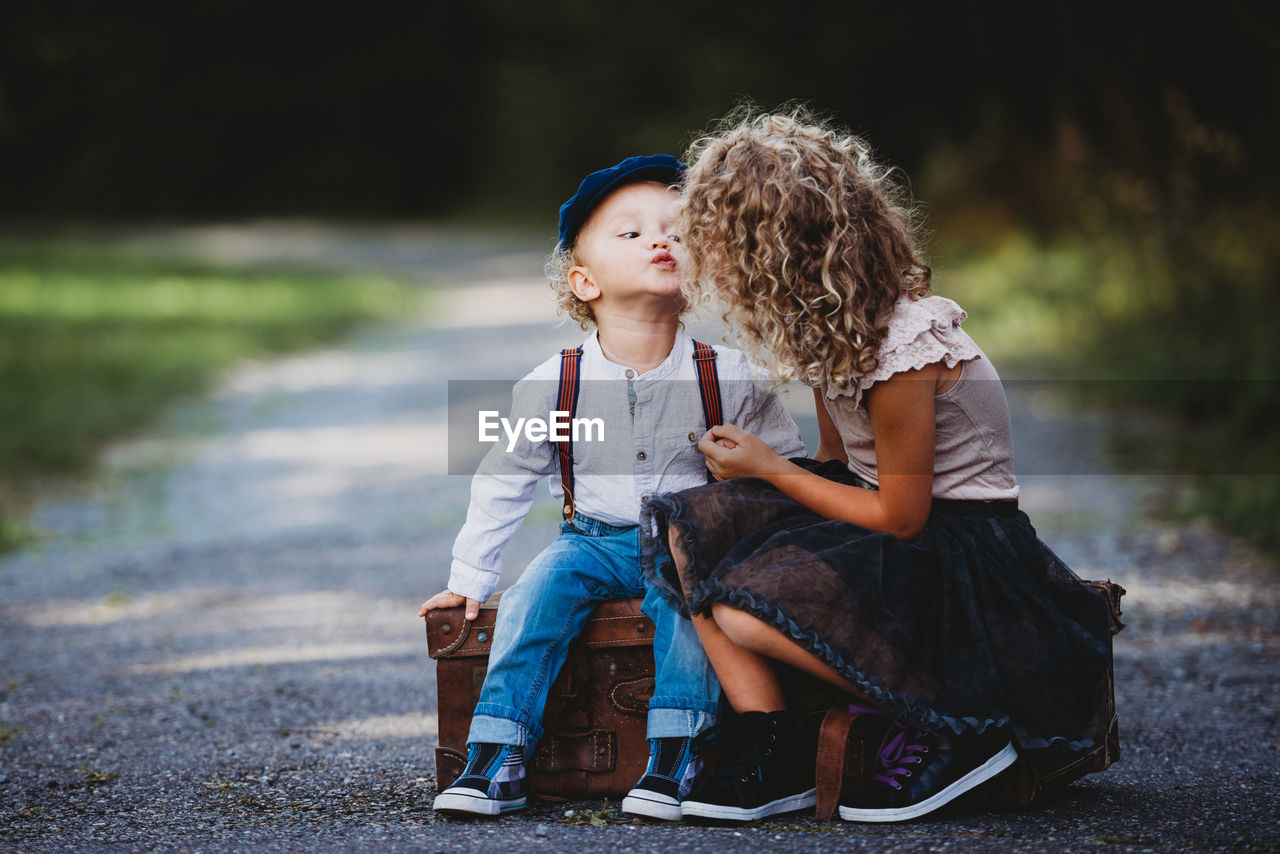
[896,565]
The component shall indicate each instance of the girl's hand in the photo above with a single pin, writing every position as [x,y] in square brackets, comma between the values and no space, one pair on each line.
[446,599]
[733,452]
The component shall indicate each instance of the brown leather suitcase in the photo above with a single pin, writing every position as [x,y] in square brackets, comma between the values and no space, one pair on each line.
[594,743]
[595,746]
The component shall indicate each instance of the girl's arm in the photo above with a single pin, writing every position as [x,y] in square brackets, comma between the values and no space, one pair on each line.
[830,445]
[902,421]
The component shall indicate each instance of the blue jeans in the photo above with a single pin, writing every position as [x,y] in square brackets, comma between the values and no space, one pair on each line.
[589,562]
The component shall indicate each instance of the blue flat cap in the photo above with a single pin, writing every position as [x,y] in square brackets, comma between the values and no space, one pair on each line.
[597,185]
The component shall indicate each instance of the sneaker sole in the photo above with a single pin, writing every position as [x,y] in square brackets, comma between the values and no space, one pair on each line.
[666,810]
[791,803]
[993,766]
[471,802]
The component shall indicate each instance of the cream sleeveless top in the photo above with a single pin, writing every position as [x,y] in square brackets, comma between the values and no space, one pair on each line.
[973,458]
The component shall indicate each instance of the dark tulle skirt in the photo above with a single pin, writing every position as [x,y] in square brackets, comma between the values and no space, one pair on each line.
[975,623]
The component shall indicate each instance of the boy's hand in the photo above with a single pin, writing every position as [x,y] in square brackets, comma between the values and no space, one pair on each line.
[446,599]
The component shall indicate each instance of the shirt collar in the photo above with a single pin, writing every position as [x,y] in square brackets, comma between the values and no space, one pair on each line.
[681,350]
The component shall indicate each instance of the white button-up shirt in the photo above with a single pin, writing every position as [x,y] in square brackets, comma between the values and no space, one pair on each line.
[651,427]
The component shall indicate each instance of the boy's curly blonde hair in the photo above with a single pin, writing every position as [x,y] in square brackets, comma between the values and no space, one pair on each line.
[557,267]
[805,239]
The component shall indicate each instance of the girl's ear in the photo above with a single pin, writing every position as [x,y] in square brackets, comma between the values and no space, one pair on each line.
[583,286]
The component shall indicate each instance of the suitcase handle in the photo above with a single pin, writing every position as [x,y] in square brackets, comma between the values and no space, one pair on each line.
[463,632]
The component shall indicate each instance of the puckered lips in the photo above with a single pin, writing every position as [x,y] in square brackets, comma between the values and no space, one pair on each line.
[664,259]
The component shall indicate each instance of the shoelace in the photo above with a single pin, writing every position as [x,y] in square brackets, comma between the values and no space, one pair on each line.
[902,747]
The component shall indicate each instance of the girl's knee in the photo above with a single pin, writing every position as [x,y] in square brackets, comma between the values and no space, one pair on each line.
[740,627]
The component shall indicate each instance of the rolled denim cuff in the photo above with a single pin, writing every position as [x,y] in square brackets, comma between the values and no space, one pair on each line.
[682,723]
[492,729]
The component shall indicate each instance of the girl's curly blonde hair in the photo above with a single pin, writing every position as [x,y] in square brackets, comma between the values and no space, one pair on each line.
[805,240]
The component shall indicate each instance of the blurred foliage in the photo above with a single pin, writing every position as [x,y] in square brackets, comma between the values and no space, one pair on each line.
[1158,277]
[93,344]
[1102,176]
[407,109]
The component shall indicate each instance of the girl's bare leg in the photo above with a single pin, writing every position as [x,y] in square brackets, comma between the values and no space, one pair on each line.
[747,677]
[750,633]
[740,647]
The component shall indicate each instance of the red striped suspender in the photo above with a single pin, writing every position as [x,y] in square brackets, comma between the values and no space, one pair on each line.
[567,401]
[704,361]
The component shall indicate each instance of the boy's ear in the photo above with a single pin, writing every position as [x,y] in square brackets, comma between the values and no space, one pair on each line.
[584,287]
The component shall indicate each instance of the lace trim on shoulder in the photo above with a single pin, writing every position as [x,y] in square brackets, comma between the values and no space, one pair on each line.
[921,332]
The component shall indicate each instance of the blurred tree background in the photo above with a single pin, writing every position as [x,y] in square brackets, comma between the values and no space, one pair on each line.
[1100,177]
[411,109]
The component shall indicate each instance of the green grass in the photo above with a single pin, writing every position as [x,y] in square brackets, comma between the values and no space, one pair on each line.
[95,342]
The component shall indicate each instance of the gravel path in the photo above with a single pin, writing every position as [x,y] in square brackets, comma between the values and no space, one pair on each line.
[216,646]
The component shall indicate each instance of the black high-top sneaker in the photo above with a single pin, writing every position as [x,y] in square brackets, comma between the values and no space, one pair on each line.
[671,772]
[493,782]
[917,772]
[764,766]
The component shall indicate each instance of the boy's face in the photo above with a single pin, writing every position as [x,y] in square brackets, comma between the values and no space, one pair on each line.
[628,247]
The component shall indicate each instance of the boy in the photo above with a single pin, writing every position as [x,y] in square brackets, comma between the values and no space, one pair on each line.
[617,266]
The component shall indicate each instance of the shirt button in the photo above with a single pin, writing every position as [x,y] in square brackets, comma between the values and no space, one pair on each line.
[630,373]
[693,437]
[644,497]
[633,409]
[642,456]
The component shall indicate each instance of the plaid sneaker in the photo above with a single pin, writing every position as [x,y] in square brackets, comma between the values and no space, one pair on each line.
[671,772]
[493,782]
[918,772]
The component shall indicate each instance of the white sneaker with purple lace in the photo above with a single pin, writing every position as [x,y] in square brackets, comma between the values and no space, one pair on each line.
[918,772]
